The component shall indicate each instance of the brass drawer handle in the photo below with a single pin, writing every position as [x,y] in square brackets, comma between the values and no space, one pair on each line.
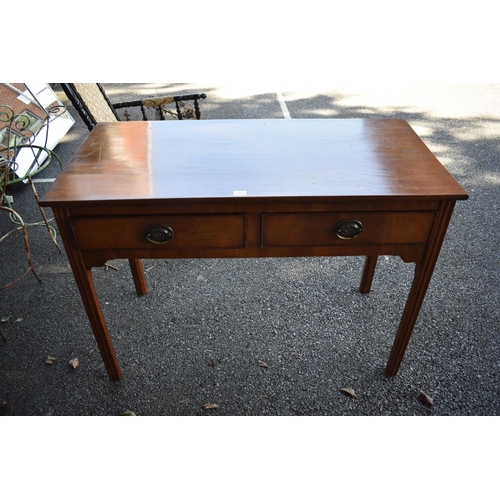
[159,234]
[348,229]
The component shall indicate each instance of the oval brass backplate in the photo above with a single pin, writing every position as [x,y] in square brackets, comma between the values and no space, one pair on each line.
[159,234]
[348,229]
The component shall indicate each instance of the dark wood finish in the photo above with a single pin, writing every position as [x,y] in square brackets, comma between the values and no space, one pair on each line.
[83,278]
[317,229]
[368,273]
[343,160]
[141,286]
[253,188]
[190,231]
[423,274]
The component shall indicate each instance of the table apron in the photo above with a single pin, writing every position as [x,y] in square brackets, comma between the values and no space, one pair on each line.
[408,253]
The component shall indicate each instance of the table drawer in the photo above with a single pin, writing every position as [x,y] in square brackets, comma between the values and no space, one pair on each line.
[169,231]
[345,228]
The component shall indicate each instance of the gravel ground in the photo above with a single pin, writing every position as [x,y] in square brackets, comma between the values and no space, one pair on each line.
[274,336]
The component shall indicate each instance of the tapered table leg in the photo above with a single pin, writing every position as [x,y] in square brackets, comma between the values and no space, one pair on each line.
[85,283]
[140,283]
[368,272]
[423,275]
[408,320]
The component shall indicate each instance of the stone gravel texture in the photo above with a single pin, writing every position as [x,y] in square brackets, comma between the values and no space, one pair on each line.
[273,336]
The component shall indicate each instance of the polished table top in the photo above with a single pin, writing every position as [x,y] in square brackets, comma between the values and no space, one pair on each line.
[169,160]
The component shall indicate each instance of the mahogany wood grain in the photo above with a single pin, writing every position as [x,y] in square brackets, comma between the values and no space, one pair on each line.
[83,278]
[212,159]
[368,273]
[423,274]
[317,229]
[190,231]
[141,286]
[253,188]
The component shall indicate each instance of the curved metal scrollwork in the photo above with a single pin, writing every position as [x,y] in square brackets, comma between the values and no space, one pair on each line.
[19,124]
[20,132]
[55,111]
[7,153]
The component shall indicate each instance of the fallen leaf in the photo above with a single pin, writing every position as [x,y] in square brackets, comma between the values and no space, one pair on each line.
[50,360]
[91,352]
[74,363]
[212,362]
[426,400]
[5,319]
[18,320]
[262,364]
[210,406]
[128,413]
[350,392]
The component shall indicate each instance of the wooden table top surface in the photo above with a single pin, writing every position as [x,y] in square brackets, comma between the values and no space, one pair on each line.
[199,159]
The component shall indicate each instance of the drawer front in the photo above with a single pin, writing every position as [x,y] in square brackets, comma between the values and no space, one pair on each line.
[345,228]
[169,231]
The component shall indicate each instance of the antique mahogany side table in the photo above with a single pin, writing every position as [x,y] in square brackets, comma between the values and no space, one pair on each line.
[253,188]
